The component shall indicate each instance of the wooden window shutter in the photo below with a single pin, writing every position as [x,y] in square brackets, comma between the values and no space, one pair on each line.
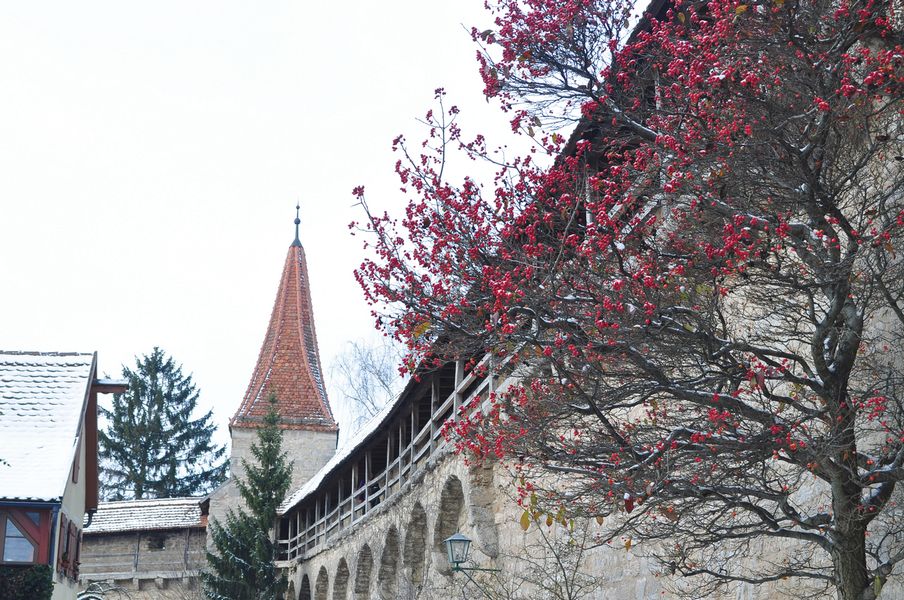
[72,547]
[78,553]
[64,537]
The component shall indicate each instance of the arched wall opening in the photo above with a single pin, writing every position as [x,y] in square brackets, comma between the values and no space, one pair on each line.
[365,565]
[340,581]
[305,591]
[449,519]
[387,576]
[322,587]
[414,552]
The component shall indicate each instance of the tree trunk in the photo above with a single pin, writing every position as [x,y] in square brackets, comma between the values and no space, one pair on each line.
[849,553]
[850,565]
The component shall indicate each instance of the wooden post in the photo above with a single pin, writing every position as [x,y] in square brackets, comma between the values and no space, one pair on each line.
[435,400]
[401,450]
[411,435]
[185,553]
[354,496]
[307,529]
[459,377]
[316,520]
[367,477]
[135,561]
[388,462]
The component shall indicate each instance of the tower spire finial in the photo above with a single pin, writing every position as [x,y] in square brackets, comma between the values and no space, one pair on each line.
[297,241]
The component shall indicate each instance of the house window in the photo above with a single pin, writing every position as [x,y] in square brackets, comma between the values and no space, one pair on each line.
[157,542]
[17,545]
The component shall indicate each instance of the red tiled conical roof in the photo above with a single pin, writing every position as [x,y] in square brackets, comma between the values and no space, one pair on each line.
[289,361]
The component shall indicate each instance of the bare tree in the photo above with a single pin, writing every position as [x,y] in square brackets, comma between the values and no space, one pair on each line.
[100,590]
[367,375]
[552,563]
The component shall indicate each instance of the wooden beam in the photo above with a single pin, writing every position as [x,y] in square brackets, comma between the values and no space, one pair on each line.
[109,386]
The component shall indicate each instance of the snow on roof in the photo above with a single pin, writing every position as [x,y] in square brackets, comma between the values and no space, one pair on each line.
[146,515]
[42,399]
[356,441]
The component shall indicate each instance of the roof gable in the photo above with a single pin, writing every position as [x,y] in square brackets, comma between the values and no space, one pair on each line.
[42,400]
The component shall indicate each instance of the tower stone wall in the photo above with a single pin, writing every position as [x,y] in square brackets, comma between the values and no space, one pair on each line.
[308,450]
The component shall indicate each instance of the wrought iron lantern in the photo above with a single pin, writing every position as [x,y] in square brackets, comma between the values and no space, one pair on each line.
[457,547]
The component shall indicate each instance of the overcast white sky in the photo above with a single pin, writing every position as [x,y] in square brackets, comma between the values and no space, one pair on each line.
[151,155]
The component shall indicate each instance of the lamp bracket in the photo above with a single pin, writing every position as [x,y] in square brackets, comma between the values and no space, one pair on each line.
[460,568]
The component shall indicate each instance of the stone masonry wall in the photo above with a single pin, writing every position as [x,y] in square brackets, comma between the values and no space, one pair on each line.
[396,551]
[309,451]
[148,565]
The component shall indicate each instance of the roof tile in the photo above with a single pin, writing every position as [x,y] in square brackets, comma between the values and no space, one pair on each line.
[289,360]
[147,515]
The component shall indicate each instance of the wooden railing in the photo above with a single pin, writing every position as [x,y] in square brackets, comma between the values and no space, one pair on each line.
[320,516]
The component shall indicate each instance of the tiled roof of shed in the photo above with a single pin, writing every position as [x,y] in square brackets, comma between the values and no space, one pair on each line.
[289,361]
[42,398]
[146,515]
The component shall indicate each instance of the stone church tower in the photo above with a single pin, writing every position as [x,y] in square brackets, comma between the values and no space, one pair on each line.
[289,367]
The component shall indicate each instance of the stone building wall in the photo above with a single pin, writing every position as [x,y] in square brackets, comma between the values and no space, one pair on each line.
[309,451]
[148,565]
[396,551]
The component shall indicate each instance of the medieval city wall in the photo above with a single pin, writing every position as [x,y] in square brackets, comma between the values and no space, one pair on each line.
[396,551]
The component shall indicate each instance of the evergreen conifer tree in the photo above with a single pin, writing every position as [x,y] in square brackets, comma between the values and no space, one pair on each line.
[242,566]
[152,447]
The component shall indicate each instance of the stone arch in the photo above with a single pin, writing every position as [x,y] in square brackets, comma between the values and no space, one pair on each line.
[387,576]
[450,518]
[305,592]
[322,587]
[362,573]
[340,581]
[414,553]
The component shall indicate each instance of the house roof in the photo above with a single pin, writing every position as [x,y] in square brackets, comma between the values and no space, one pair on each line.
[289,360]
[42,400]
[148,515]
